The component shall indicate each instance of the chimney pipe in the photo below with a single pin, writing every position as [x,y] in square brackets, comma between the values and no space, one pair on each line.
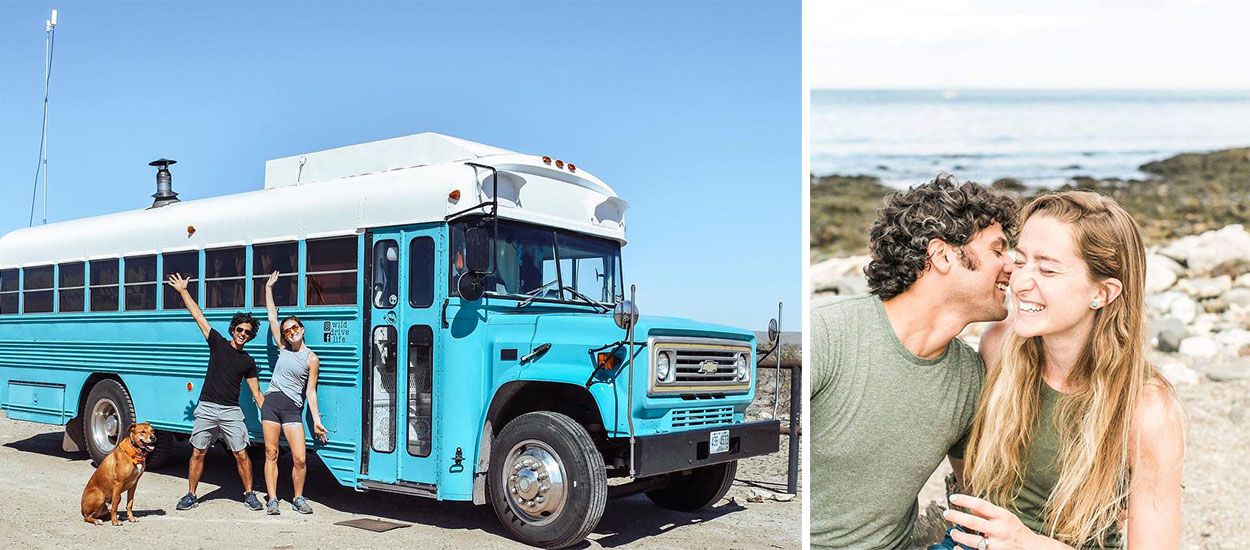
[164,184]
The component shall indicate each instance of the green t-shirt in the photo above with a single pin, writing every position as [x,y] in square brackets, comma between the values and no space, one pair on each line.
[882,420]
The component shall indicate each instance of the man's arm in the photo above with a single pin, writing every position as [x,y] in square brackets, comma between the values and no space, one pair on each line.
[180,284]
[253,384]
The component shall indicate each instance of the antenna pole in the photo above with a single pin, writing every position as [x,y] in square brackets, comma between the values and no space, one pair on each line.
[48,46]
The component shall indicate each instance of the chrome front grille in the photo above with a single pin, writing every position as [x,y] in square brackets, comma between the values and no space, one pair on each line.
[708,416]
[699,365]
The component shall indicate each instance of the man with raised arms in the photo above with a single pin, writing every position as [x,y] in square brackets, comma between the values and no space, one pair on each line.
[893,390]
[218,415]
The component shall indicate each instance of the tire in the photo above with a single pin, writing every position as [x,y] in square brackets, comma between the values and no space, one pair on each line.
[547,449]
[696,489]
[106,417]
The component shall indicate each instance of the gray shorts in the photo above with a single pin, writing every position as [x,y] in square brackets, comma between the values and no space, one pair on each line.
[213,422]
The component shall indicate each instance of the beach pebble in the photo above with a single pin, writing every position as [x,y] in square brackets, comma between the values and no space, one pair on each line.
[1236,342]
[1203,253]
[1177,372]
[1184,308]
[852,286]
[1168,333]
[1242,281]
[1205,287]
[1237,296]
[1199,346]
[1161,273]
[1229,373]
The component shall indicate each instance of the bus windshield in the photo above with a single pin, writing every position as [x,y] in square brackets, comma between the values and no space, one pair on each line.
[545,264]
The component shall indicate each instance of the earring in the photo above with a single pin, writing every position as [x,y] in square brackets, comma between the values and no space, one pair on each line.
[1093,304]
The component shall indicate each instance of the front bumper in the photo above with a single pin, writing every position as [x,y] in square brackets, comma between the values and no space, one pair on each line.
[674,452]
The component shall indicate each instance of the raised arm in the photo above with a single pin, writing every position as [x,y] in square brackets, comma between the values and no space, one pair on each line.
[274,328]
[180,284]
[319,431]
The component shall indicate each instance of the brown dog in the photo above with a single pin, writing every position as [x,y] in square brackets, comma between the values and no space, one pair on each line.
[119,471]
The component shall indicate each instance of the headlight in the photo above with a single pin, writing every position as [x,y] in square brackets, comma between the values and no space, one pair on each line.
[663,367]
[740,365]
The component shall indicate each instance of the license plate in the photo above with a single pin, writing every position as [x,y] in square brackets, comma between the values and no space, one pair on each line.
[718,442]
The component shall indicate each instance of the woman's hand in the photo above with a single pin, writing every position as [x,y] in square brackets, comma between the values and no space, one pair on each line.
[319,431]
[1002,529]
[273,280]
[177,282]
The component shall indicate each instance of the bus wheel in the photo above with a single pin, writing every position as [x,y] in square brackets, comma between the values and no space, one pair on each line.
[106,417]
[547,482]
[160,454]
[700,487]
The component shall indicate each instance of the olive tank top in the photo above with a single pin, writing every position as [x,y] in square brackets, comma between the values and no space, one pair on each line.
[1041,472]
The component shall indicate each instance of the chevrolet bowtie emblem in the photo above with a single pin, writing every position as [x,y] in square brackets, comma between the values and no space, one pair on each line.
[708,367]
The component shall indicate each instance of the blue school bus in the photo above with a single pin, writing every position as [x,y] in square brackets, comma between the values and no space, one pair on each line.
[469,307]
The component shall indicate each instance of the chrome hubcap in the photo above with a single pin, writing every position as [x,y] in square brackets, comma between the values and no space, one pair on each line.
[534,477]
[105,425]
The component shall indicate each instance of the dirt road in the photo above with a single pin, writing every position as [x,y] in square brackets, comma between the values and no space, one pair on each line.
[40,487]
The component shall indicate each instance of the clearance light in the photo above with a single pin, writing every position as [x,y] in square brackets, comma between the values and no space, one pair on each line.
[546,160]
[606,360]
[190,230]
[559,164]
[572,168]
[454,195]
[189,386]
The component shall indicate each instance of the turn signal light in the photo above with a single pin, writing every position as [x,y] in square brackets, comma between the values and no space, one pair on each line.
[546,160]
[606,360]
[454,195]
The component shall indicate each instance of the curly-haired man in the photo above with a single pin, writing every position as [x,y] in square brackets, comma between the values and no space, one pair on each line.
[218,415]
[893,389]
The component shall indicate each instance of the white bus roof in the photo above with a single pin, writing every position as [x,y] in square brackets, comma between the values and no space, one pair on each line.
[405,180]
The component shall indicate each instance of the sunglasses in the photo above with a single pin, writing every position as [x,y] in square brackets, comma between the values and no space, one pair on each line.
[292,331]
[245,332]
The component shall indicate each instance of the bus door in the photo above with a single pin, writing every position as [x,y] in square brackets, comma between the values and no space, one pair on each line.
[400,389]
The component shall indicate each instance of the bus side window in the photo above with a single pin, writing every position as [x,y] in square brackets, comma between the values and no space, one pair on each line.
[421,272]
[331,270]
[385,274]
[383,390]
[8,291]
[268,258]
[70,285]
[225,275]
[420,390]
[37,290]
[104,285]
[186,264]
[140,283]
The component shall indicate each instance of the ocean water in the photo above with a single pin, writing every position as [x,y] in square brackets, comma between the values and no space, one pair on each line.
[1042,138]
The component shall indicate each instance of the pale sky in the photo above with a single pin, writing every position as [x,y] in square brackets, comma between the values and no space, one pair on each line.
[1192,44]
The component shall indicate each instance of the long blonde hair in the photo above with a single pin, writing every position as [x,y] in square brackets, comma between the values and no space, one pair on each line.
[1094,421]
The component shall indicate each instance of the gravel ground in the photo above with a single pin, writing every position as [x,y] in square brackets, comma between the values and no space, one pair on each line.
[1217,466]
[40,488]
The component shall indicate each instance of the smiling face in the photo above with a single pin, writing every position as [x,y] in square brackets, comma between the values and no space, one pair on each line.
[982,275]
[1051,287]
[142,435]
[293,332]
[242,334]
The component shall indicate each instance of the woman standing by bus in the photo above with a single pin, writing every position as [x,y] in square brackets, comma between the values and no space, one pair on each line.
[282,413]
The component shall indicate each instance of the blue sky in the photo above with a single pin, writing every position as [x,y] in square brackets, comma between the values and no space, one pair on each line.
[691,110]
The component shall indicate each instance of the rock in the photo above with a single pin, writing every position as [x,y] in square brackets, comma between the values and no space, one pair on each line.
[1168,333]
[1203,253]
[1235,342]
[759,495]
[1213,305]
[851,286]
[1242,281]
[1161,303]
[1199,346]
[739,501]
[1161,273]
[1237,296]
[1229,373]
[1178,373]
[783,497]
[828,274]
[1184,309]
[1208,287]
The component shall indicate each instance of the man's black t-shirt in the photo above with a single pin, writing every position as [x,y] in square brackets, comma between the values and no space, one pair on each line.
[227,367]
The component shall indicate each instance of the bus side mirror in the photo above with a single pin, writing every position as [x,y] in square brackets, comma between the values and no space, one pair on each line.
[773,331]
[470,285]
[476,249]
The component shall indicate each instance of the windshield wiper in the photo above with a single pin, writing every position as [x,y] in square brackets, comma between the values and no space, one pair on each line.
[533,295]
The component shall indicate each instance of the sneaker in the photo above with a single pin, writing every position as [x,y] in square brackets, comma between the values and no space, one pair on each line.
[187,502]
[300,504]
[272,507]
[250,500]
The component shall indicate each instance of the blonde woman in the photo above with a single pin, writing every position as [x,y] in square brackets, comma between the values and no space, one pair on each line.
[1078,440]
[294,377]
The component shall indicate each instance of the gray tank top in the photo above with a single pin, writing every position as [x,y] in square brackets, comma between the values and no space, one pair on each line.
[290,374]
